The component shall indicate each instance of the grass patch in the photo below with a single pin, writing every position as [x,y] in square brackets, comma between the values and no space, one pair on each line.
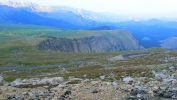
[10,79]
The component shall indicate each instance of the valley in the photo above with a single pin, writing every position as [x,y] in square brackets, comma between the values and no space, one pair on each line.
[19,46]
[101,50]
[23,63]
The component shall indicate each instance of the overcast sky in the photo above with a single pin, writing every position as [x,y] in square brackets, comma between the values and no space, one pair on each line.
[163,8]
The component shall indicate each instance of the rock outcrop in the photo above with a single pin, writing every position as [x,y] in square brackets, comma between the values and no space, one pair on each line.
[117,40]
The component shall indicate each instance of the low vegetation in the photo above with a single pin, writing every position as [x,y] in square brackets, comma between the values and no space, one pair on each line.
[113,70]
[18,48]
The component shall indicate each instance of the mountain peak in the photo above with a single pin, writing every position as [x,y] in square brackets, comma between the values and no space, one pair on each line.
[32,6]
[17,4]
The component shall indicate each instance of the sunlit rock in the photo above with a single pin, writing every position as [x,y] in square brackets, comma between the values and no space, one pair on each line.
[114,83]
[127,79]
[102,77]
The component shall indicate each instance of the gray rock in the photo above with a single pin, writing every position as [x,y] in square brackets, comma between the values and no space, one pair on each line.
[1,81]
[134,92]
[114,83]
[68,92]
[95,91]
[102,43]
[168,95]
[41,94]
[102,77]
[58,79]
[46,87]
[176,74]
[46,94]
[87,87]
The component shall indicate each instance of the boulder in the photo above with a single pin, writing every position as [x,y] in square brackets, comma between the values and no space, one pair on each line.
[58,79]
[127,79]
[17,82]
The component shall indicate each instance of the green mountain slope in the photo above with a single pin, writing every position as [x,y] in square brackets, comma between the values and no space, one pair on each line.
[18,45]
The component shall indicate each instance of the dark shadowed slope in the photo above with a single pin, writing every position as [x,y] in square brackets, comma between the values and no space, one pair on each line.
[117,40]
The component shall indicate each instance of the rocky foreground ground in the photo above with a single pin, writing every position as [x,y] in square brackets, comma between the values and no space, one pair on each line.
[161,87]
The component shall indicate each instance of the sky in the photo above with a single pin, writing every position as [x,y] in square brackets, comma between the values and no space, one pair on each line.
[158,8]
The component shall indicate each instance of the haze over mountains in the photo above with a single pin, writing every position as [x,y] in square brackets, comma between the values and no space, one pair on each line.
[147,32]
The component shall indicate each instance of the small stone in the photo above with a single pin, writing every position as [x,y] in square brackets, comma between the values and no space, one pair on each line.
[102,77]
[52,94]
[94,83]
[87,87]
[163,87]
[159,94]
[155,88]
[174,97]
[106,83]
[46,94]
[77,90]
[68,92]
[139,87]
[9,97]
[139,95]
[73,93]
[127,79]
[61,93]
[30,94]
[61,98]
[99,81]
[24,93]
[85,75]
[41,94]
[114,83]
[134,92]
[95,91]
[168,95]
[130,98]
[46,87]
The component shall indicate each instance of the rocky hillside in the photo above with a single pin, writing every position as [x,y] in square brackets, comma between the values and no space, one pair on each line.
[117,40]
[169,43]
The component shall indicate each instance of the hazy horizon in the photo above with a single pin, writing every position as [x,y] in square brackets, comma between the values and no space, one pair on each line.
[166,9]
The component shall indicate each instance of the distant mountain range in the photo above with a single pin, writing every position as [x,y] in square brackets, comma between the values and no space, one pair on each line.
[148,32]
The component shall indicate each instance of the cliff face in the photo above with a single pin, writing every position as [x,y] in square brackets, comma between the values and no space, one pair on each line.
[117,41]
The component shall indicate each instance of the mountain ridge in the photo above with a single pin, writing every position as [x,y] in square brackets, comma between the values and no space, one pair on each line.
[27,5]
[75,18]
[119,40]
